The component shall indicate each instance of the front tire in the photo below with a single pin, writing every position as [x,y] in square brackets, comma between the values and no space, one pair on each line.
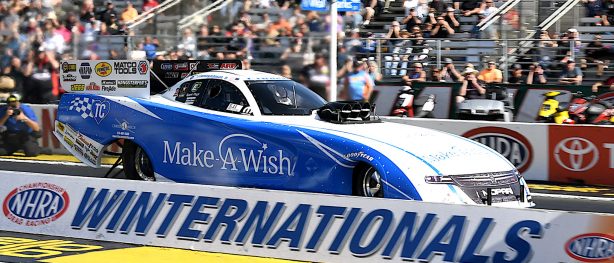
[137,164]
[367,182]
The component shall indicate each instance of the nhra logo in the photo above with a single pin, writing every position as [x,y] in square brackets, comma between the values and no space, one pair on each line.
[513,145]
[576,154]
[592,247]
[143,67]
[35,204]
[69,67]
[103,69]
[85,70]
[166,66]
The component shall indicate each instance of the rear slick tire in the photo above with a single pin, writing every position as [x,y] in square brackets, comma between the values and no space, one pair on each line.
[137,164]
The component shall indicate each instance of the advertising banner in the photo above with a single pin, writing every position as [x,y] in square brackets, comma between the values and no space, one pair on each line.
[300,226]
[106,77]
[168,72]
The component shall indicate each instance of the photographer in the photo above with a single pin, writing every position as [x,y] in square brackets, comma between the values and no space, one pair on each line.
[19,128]
[471,88]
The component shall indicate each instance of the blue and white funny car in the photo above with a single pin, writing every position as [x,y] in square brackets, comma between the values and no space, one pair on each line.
[252,129]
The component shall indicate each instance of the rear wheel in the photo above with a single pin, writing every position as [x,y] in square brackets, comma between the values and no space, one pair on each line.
[367,182]
[137,164]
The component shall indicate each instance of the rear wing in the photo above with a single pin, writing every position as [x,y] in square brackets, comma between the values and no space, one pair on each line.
[134,78]
[165,73]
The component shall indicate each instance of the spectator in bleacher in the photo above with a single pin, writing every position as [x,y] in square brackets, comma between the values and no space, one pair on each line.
[149,4]
[607,84]
[14,71]
[416,75]
[263,24]
[466,5]
[105,15]
[202,42]
[411,20]
[593,8]
[536,74]
[571,74]
[516,76]
[129,12]
[354,43]
[442,29]
[373,71]
[297,16]
[281,24]
[295,55]
[423,10]
[471,88]
[410,4]
[316,76]
[86,13]
[150,46]
[491,74]
[399,46]
[449,72]
[188,42]
[41,74]
[286,71]
[439,5]
[358,83]
[451,19]
[434,75]
[595,52]
[547,46]
[369,8]
[607,17]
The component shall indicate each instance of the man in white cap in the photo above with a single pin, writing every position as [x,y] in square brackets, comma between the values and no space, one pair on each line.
[471,88]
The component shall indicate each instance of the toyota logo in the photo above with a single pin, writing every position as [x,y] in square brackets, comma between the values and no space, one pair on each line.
[576,154]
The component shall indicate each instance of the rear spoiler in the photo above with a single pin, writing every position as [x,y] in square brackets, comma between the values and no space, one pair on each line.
[165,73]
[134,78]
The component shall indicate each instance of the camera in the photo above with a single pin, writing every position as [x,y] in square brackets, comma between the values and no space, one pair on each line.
[16,112]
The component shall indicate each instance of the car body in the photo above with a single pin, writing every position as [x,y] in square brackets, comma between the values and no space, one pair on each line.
[266,132]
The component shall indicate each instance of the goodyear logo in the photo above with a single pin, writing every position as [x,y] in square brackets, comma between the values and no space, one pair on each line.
[103,69]
[66,67]
[35,204]
[592,247]
[77,87]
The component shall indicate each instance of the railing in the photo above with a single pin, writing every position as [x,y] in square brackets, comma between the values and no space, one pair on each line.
[197,16]
[393,60]
[151,13]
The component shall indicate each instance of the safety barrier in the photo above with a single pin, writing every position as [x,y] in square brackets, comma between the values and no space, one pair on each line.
[545,152]
[300,226]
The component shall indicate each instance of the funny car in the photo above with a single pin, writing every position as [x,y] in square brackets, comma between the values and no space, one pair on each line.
[245,128]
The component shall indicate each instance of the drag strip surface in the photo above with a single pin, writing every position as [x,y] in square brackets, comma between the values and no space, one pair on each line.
[597,199]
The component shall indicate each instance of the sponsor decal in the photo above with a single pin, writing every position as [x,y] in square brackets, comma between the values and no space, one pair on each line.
[35,204]
[92,86]
[511,144]
[28,248]
[181,66]
[69,77]
[109,88]
[103,69]
[130,84]
[171,74]
[85,70]
[231,154]
[108,82]
[581,153]
[379,233]
[591,247]
[125,67]
[90,108]
[228,66]
[193,65]
[125,129]
[359,155]
[66,67]
[166,66]
[59,126]
[143,67]
[77,87]
[213,66]
[69,141]
[576,154]
[185,74]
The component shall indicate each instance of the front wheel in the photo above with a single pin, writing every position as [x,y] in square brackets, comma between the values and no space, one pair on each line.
[137,164]
[367,182]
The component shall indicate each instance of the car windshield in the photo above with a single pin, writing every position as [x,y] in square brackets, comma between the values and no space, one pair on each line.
[284,97]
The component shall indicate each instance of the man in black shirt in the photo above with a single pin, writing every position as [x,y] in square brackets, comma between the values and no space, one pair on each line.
[442,29]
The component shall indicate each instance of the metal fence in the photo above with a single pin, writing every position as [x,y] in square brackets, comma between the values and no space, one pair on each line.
[394,56]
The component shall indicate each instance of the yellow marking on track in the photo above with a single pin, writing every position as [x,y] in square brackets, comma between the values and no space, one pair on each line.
[609,194]
[56,158]
[580,189]
[161,255]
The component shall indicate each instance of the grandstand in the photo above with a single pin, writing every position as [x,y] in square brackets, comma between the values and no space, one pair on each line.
[270,34]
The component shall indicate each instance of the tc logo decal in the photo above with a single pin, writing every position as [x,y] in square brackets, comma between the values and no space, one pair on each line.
[576,154]
[95,109]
